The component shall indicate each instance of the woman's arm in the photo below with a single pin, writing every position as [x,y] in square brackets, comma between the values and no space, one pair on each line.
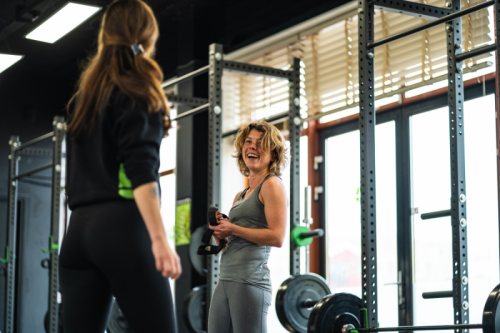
[275,202]
[148,201]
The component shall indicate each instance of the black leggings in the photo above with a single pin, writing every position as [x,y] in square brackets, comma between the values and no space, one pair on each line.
[106,253]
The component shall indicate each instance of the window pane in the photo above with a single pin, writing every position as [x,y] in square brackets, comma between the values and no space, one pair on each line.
[433,270]
[343,217]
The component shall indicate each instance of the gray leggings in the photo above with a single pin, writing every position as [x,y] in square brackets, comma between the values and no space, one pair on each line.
[238,308]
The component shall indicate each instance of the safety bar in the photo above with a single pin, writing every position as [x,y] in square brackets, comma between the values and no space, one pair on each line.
[36,140]
[430,24]
[43,167]
[186,77]
[269,120]
[192,112]
[437,294]
[312,234]
[476,52]
[435,215]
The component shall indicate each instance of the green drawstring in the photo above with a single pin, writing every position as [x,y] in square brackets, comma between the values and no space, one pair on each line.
[53,246]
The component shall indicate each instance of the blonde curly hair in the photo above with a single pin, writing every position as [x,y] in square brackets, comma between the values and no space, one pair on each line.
[272,142]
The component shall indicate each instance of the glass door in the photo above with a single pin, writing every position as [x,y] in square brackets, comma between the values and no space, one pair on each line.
[342,214]
[430,192]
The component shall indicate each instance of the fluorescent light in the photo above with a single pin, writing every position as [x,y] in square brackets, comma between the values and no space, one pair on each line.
[7,60]
[62,22]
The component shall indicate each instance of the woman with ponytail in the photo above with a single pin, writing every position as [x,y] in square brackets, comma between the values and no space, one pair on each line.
[116,244]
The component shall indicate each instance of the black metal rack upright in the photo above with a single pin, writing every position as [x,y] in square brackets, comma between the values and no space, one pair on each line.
[57,168]
[451,17]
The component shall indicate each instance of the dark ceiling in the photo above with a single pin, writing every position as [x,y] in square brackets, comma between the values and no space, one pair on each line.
[45,78]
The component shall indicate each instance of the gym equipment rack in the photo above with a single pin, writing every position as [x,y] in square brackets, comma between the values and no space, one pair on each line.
[451,17]
[57,166]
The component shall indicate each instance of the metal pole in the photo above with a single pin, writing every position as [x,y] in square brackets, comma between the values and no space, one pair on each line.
[10,286]
[429,25]
[457,170]
[419,328]
[476,52]
[36,140]
[307,221]
[186,77]
[192,112]
[43,167]
[216,56]
[367,158]
[295,127]
[59,134]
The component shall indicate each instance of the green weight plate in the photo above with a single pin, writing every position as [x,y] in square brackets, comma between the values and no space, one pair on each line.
[59,320]
[491,312]
[194,308]
[117,322]
[291,296]
[199,262]
[333,312]
[296,236]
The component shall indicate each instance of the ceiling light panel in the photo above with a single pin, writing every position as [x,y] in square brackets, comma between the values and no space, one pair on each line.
[7,60]
[65,20]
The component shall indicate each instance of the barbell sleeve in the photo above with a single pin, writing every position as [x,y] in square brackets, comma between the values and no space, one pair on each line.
[312,234]
[437,294]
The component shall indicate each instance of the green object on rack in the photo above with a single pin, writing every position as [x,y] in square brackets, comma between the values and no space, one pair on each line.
[53,246]
[296,232]
[6,260]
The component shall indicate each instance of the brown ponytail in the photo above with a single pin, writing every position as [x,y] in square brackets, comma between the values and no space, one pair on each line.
[114,66]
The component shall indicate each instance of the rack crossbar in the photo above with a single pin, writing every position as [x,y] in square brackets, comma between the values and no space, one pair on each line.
[40,168]
[279,116]
[243,68]
[192,112]
[431,24]
[36,140]
[186,77]
[412,9]
[476,52]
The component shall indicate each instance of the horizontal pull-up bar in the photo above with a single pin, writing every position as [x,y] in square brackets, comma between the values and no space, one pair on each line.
[43,167]
[268,120]
[192,112]
[186,77]
[431,24]
[476,52]
[32,142]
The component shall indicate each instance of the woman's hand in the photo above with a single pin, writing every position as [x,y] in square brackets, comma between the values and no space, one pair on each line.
[224,229]
[167,261]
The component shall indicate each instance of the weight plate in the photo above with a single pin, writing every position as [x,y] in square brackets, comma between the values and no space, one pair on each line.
[199,262]
[333,312]
[296,236]
[59,320]
[193,309]
[491,312]
[291,296]
[117,322]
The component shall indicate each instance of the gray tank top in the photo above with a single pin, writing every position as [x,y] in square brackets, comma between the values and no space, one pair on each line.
[244,261]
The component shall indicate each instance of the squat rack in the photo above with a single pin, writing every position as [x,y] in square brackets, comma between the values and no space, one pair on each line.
[451,16]
[217,66]
[16,148]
